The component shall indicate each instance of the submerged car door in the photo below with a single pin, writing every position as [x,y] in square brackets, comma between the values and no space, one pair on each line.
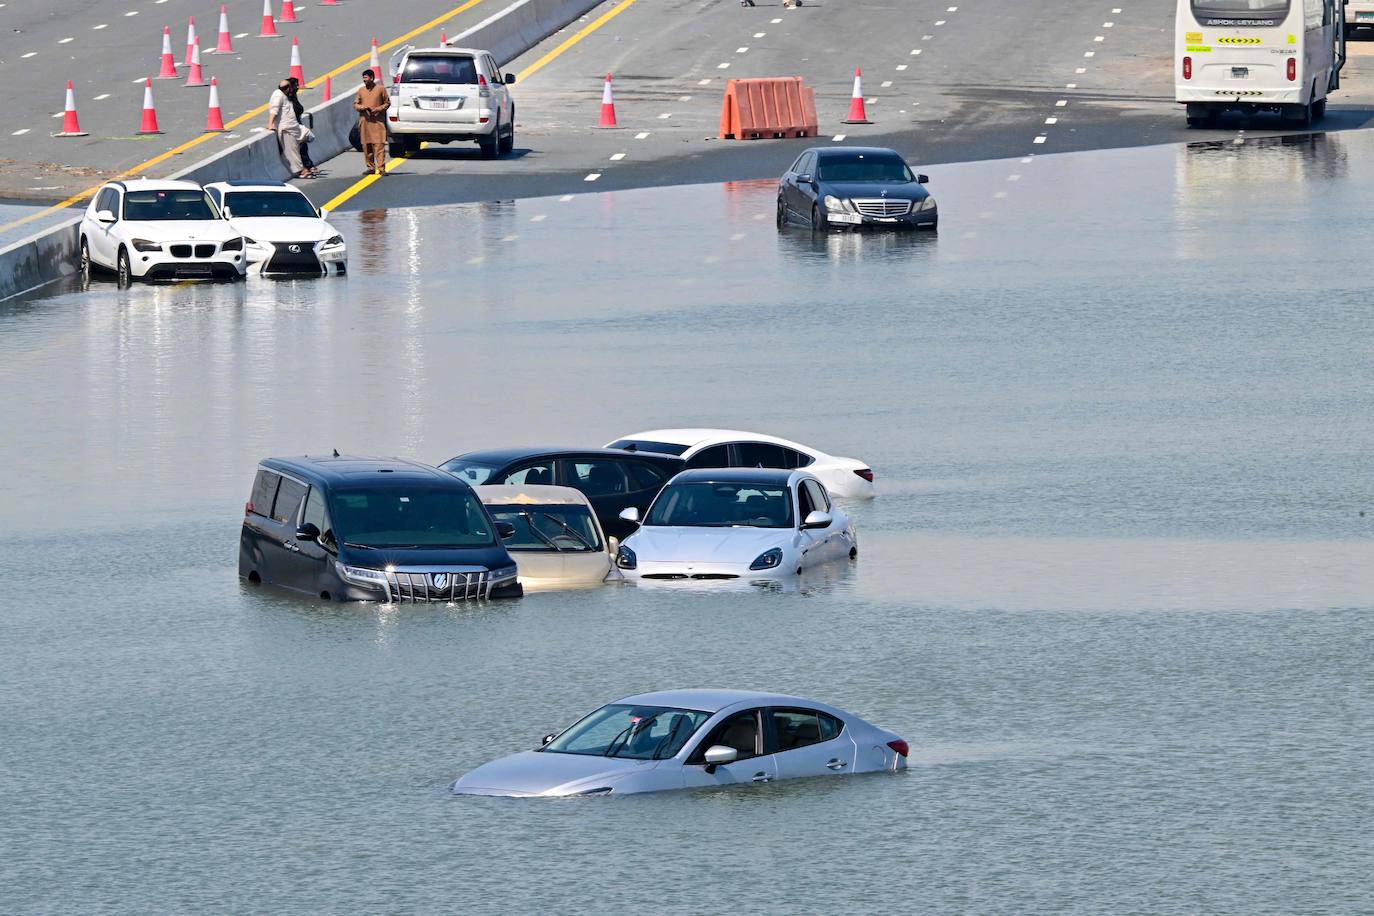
[744,732]
[832,545]
[257,551]
[304,562]
[101,239]
[812,539]
[288,569]
[808,742]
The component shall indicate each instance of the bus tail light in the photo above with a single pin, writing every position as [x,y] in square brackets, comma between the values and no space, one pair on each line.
[1292,69]
[1188,68]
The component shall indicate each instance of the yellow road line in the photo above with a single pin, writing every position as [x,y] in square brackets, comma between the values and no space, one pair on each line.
[178,150]
[352,191]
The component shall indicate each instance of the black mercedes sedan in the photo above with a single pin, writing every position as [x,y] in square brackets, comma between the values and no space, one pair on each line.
[854,187]
[612,479]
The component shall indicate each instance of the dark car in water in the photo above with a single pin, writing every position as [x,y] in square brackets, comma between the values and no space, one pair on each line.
[855,187]
[612,479]
[372,529]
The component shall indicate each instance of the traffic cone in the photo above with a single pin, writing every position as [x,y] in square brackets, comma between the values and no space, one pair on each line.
[856,104]
[196,78]
[328,90]
[288,11]
[190,39]
[374,64]
[225,45]
[269,28]
[70,126]
[329,2]
[296,70]
[149,112]
[607,105]
[214,119]
[443,38]
[169,63]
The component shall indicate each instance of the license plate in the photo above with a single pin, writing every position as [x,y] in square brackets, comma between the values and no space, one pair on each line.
[442,104]
[1364,17]
[852,218]
[1240,73]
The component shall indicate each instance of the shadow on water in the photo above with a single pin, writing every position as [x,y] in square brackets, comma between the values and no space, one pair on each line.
[802,244]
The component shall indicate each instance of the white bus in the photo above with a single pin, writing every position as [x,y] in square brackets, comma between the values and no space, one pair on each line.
[1258,55]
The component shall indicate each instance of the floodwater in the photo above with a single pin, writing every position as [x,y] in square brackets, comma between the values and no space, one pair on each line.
[1116,590]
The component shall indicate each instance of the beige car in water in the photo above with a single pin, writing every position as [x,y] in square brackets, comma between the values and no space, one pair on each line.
[558,543]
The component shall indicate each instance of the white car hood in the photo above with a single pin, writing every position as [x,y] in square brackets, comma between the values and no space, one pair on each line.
[210,230]
[283,228]
[705,545]
[541,773]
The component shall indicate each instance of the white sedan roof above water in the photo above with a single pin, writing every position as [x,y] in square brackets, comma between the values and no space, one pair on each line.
[692,437]
[705,699]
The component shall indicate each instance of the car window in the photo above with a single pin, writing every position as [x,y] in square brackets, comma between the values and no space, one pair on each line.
[316,512]
[797,728]
[645,476]
[264,491]
[214,195]
[636,732]
[177,204]
[864,167]
[108,200]
[717,456]
[762,455]
[535,474]
[808,164]
[798,459]
[562,527]
[270,203]
[796,167]
[289,497]
[448,69]
[819,499]
[804,504]
[597,478]
[830,726]
[740,731]
[492,69]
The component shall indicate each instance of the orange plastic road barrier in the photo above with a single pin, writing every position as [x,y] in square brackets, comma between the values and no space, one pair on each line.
[768,109]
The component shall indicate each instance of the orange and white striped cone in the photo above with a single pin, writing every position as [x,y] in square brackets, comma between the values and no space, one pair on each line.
[329,2]
[857,115]
[71,127]
[195,79]
[607,105]
[443,38]
[169,63]
[288,12]
[225,45]
[328,90]
[149,125]
[190,39]
[269,28]
[214,118]
[374,64]
[296,69]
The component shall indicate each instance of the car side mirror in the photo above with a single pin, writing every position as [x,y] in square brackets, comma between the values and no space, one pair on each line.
[817,519]
[544,742]
[630,514]
[506,530]
[510,79]
[104,216]
[922,179]
[613,545]
[806,179]
[322,212]
[308,532]
[226,213]
[718,754]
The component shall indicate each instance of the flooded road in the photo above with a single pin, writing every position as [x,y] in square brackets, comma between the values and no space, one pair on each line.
[1115,591]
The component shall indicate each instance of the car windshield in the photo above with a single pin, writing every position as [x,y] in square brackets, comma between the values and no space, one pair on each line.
[646,445]
[864,168]
[721,505]
[269,203]
[636,732]
[410,517]
[144,206]
[553,527]
[473,473]
[439,68]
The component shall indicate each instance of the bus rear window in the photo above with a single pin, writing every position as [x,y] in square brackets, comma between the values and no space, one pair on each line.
[1240,12]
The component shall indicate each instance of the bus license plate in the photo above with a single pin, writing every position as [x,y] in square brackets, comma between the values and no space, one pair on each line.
[1240,73]
[1364,17]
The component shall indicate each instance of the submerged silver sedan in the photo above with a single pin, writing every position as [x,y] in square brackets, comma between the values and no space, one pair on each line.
[682,739]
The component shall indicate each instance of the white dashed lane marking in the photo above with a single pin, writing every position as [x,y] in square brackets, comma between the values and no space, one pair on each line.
[97,28]
[901,66]
[915,52]
[887,84]
[1089,53]
[539,217]
[775,21]
[102,97]
[1100,38]
[616,157]
[131,13]
[20,132]
[565,198]
[64,41]
[939,22]
[1080,70]
[665,116]
[837,138]
[705,82]
[760,34]
[744,50]
[592,177]
[642,135]
[1040,139]
[1051,120]
[724,66]
[1061,103]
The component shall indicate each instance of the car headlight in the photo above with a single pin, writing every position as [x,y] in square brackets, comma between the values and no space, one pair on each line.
[834,203]
[145,245]
[333,240]
[768,559]
[233,245]
[502,573]
[358,575]
[625,558]
[927,204]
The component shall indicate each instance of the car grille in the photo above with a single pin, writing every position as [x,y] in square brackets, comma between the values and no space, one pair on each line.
[205,251]
[180,251]
[883,207]
[437,585]
[300,261]
[679,576]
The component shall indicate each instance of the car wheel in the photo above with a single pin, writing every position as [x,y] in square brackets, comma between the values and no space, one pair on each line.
[85,262]
[412,145]
[507,143]
[395,149]
[124,273]
[782,213]
[490,143]
[818,221]
[355,138]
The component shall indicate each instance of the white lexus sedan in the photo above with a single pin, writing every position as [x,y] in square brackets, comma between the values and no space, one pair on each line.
[287,235]
[158,230]
[847,478]
[736,523]
[682,739]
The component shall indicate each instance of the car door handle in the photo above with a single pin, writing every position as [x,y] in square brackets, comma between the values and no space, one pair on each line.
[762,777]
[836,764]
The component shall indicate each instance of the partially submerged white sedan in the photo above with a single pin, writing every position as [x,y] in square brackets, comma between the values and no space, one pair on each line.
[682,739]
[847,478]
[286,234]
[736,523]
[558,543]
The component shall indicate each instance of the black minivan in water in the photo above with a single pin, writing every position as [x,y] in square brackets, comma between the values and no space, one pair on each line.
[372,529]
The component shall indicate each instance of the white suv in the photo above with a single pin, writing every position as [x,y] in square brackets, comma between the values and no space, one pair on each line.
[445,94]
[159,230]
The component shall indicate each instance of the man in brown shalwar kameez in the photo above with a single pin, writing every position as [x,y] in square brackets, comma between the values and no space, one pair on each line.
[371,103]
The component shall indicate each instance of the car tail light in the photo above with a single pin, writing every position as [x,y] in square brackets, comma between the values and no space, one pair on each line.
[865,473]
[900,746]
[1187,68]
[1292,69]
[248,508]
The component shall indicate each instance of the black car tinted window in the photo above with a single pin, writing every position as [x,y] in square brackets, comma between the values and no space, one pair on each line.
[804,504]
[537,474]
[270,203]
[596,478]
[315,511]
[264,491]
[645,476]
[289,497]
[762,455]
[830,727]
[717,456]
[152,206]
[795,728]
[864,168]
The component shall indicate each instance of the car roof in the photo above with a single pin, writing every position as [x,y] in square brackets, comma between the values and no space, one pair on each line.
[503,456]
[446,49]
[702,436]
[714,700]
[339,469]
[777,477]
[531,495]
[838,152]
[156,184]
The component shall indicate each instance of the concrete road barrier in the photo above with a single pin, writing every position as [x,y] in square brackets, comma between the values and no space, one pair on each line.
[760,109]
